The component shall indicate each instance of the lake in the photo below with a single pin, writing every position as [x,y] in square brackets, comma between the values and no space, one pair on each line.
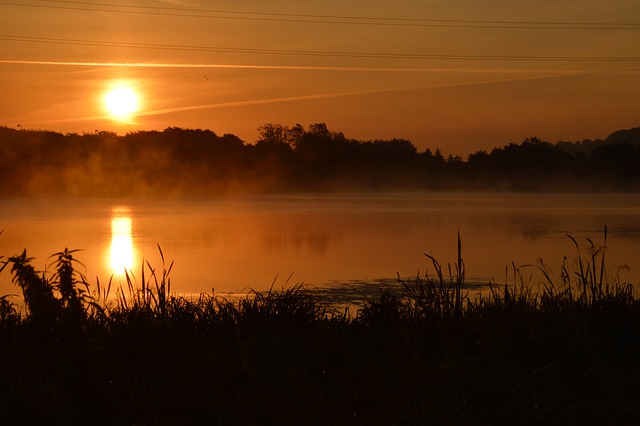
[228,244]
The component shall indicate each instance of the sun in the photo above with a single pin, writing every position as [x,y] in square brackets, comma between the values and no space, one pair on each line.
[121,102]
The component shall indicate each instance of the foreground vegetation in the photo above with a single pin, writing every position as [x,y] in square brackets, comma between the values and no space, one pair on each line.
[566,352]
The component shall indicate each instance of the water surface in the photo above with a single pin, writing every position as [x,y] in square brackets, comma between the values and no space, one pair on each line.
[230,244]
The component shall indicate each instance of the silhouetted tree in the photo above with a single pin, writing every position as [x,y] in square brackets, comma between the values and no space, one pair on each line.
[615,165]
[179,161]
[628,136]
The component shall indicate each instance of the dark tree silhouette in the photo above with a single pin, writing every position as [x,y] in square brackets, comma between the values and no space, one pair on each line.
[178,161]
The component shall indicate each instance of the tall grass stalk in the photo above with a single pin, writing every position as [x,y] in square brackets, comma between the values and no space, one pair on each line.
[588,282]
[153,292]
[442,296]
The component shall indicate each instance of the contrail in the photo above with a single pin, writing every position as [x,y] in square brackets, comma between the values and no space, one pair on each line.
[345,94]
[283,67]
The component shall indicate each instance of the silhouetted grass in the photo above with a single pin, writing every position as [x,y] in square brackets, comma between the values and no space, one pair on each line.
[567,352]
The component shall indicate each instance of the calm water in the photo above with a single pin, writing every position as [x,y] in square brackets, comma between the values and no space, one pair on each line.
[231,244]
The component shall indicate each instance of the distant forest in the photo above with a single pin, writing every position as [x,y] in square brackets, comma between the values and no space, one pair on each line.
[194,162]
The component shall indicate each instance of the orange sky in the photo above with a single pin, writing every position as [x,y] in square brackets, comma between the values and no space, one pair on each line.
[458,75]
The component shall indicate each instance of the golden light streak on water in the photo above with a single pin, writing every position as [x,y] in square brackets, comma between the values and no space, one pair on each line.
[121,256]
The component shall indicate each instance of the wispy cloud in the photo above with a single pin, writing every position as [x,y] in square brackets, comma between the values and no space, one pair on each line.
[289,67]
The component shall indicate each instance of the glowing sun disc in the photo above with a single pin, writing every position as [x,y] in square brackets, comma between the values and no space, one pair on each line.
[121,102]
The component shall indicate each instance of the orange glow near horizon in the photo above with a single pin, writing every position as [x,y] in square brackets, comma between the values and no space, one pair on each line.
[121,253]
[455,76]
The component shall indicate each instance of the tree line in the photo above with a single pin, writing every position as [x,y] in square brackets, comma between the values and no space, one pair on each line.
[193,162]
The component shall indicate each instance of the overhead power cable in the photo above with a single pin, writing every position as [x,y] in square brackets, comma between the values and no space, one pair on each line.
[323,19]
[317,53]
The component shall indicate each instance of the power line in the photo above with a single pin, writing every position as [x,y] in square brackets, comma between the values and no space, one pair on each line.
[315,53]
[325,19]
[364,18]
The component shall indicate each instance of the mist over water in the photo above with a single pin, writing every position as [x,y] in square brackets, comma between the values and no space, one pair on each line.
[230,244]
[193,163]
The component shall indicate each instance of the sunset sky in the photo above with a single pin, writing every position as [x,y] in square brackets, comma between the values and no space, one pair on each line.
[460,75]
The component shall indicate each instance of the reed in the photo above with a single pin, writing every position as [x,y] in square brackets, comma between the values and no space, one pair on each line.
[9,314]
[39,299]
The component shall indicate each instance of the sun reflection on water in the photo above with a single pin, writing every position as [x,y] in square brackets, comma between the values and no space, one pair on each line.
[121,257]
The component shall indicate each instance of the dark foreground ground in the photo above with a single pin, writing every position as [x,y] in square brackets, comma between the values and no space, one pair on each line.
[566,354]
[269,363]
